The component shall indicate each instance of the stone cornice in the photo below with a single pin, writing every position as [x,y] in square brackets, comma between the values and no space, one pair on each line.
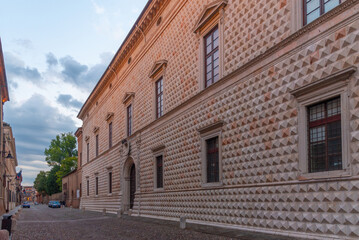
[141,26]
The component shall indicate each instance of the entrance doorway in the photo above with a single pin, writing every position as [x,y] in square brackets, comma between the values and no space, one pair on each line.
[132,185]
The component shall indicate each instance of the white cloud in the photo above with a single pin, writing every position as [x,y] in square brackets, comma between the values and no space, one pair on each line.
[98,9]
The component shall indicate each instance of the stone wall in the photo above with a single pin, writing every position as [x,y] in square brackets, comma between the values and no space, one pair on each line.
[262,186]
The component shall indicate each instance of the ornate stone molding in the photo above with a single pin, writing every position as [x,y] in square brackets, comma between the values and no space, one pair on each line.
[341,75]
[158,148]
[128,96]
[210,127]
[95,129]
[208,12]
[157,67]
[109,116]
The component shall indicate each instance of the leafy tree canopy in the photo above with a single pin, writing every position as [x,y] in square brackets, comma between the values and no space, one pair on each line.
[51,185]
[67,165]
[40,182]
[63,146]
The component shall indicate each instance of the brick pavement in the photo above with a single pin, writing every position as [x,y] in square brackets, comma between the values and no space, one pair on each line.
[40,222]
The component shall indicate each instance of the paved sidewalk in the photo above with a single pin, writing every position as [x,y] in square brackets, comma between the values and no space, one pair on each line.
[40,222]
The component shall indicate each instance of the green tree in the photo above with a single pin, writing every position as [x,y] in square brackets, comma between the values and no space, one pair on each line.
[40,182]
[63,146]
[67,165]
[51,184]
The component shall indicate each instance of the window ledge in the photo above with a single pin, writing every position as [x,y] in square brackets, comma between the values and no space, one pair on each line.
[212,184]
[109,194]
[321,175]
[158,190]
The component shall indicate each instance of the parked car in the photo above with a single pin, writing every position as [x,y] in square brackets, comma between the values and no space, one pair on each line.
[54,204]
[26,205]
[36,203]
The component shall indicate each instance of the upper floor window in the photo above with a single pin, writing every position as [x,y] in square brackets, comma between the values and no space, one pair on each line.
[80,158]
[324,132]
[87,187]
[211,44]
[159,98]
[97,145]
[88,151]
[129,120]
[315,8]
[110,135]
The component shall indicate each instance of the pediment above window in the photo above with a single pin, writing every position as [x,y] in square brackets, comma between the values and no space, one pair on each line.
[209,12]
[158,67]
[95,129]
[128,96]
[336,80]
[109,115]
[87,138]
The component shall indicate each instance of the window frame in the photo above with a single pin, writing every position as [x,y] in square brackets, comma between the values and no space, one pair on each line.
[96,185]
[110,135]
[211,54]
[97,145]
[212,179]
[209,132]
[157,154]
[158,186]
[323,122]
[110,183]
[129,117]
[321,7]
[88,151]
[87,187]
[325,89]
[159,95]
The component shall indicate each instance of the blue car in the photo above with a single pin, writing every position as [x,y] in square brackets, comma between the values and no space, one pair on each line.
[26,205]
[54,204]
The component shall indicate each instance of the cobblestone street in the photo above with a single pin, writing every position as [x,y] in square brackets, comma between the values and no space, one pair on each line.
[40,222]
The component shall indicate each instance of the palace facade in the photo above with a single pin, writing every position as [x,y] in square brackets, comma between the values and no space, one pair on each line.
[241,114]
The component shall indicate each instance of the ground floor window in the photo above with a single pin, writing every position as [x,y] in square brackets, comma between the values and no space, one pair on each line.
[324,131]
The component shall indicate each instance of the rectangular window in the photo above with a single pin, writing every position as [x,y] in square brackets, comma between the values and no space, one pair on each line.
[159,98]
[324,133]
[212,160]
[80,190]
[129,120]
[88,187]
[88,152]
[110,135]
[96,145]
[159,171]
[110,182]
[96,185]
[315,8]
[80,158]
[211,45]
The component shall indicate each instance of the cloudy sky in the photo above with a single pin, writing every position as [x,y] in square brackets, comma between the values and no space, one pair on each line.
[55,52]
